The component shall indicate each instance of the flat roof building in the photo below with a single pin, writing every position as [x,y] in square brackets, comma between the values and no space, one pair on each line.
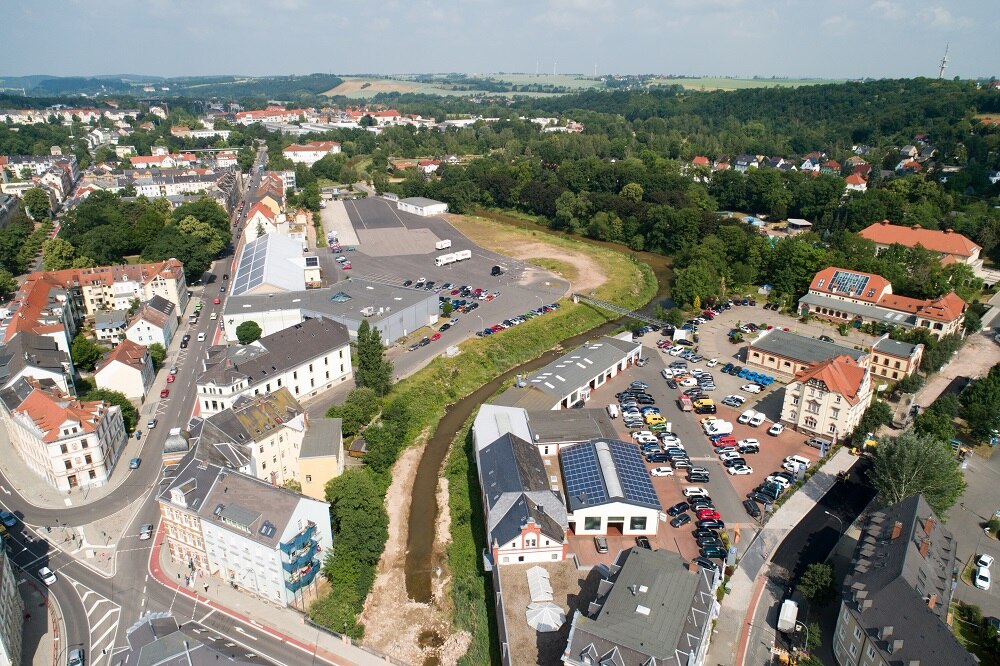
[422,206]
[787,353]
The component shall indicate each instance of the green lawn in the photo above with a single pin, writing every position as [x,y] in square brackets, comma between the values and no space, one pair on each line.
[722,83]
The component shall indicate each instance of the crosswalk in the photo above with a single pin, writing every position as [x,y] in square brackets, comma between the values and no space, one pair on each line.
[103,616]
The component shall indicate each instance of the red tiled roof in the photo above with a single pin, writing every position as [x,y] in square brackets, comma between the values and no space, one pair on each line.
[841,375]
[821,283]
[945,242]
[130,353]
[49,411]
[948,308]
[700,160]
[312,146]
[855,179]
[262,209]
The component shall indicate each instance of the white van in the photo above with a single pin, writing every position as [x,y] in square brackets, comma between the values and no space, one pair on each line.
[799,460]
[613,411]
[746,416]
[718,427]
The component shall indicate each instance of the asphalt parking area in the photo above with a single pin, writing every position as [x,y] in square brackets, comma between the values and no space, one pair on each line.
[375,213]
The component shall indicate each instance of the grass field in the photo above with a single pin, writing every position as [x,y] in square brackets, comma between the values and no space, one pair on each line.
[721,83]
[363,87]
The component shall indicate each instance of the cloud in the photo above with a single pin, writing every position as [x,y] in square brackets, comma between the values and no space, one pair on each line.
[887,10]
[942,19]
[840,25]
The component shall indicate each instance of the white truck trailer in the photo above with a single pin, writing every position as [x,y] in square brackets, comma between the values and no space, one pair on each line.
[445,259]
[442,244]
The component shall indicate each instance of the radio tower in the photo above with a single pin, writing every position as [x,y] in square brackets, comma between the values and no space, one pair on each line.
[944,62]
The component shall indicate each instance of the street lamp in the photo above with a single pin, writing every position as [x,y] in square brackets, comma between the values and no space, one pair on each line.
[837,518]
[799,626]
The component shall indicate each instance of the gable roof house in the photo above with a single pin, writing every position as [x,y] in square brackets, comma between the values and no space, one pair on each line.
[127,368]
[154,323]
[855,183]
[525,517]
[950,245]
[651,609]
[828,398]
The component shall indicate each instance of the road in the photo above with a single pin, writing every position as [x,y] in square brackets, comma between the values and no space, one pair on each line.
[97,608]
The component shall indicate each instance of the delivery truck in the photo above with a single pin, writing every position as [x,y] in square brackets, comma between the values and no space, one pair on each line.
[445,259]
[463,254]
[442,244]
[788,616]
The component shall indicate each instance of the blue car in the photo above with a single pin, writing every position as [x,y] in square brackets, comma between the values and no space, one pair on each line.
[8,519]
[487,331]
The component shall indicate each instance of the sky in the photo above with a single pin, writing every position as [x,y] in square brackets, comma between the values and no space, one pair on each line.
[743,38]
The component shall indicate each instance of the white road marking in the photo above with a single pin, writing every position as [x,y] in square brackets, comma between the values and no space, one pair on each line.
[5,490]
[240,629]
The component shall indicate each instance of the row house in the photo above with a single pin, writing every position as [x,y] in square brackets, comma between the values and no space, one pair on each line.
[163,161]
[115,287]
[255,536]
[69,443]
[43,306]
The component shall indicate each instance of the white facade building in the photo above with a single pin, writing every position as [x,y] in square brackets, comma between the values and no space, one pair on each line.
[128,368]
[422,206]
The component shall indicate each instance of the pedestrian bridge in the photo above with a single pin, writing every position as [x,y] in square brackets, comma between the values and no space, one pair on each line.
[617,309]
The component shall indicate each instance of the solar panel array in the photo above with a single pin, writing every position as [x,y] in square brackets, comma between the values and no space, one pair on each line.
[854,283]
[583,477]
[632,474]
[581,474]
[250,272]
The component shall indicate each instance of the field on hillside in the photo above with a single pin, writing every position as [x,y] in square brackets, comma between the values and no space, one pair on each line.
[363,88]
[721,83]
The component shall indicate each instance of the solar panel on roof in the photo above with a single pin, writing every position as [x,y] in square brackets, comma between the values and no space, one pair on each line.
[581,476]
[632,474]
[844,281]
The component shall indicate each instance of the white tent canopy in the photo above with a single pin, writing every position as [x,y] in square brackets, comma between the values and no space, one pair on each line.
[545,617]
[538,584]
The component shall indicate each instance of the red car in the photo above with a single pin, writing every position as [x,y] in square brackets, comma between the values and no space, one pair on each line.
[709,514]
[477,292]
[496,328]
[216,301]
[347,266]
[436,336]
[454,292]
[170,379]
[164,393]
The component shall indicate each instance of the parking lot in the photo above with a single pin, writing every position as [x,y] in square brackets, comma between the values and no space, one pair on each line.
[727,491]
[966,520]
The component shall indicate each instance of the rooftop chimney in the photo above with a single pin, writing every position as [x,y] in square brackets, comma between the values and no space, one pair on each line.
[897,645]
[932,601]
[929,525]
[925,545]
[897,529]
[886,632]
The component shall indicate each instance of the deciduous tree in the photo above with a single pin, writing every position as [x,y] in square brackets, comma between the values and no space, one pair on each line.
[248,331]
[374,369]
[914,464]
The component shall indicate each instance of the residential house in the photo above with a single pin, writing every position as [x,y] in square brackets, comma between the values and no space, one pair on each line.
[906,167]
[306,358]
[273,114]
[525,516]
[856,183]
[652,607]
[849,297]
[428,166]
[895,603]
[908,152]
[128,369]
[115,287]
[109,327]
[258,537]
[312,152]
[321,456]
[43,306]
[701,161]
[810,164]
[744,163]
[828,398]
[895,360]
[69,443]
[261,220]
[830,168]
[154,323]
[28,355]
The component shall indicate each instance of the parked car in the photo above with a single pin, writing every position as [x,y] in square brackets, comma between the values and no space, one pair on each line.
[134,463]
[776,429]
[681,520]
[601,544]
[145,532]
[751,508]
[661,471]
[982,578]
[677,509]
[752,388]
[706,563]
[75,657]
[8,519]
[643,542]
[740,470]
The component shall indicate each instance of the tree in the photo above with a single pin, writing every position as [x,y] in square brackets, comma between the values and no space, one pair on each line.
[447,308]
[85,352]
[914,464]
[37,203]
[980,402]
[374,369]
[129,413]
[157,354]
[816,584]
[248,331]
[57,254]
[877,415]
[7,283]
[293,485]
[972,322]
[632,192]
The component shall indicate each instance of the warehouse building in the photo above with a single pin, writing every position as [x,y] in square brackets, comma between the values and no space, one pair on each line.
[785,353]
[422,206]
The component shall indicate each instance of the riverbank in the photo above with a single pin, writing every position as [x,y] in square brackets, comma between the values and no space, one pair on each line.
[446,381]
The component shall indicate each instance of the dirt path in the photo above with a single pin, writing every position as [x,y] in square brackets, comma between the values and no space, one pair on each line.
[394,624]
[974,359]
[502,239]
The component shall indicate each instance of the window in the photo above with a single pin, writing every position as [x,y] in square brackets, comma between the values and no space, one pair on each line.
[810,422]
[63,449]
[591,523]
[637,523]
[309,478]
[895,374]
[834,413]
[795,400]
[853,649]
[857,634]
[68,463]
[83,443]
[898,365]
[88,460]
[832,429]
[871,652]
[93,474]
[295,375]
[529,542]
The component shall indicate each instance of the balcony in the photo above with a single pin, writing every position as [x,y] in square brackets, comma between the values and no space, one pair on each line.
[303,577]
[302,557]
[300,540]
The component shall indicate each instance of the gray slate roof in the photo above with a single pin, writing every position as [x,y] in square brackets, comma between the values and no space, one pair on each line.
[226,438]
[895,348]
[571,425]
[273,354]
[324,437]
[516,487]
[31,350]
[111,320]
[875,312]
[656,608]
[892,582]
[801,348]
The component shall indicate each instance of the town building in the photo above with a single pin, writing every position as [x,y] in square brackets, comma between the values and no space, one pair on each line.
[28,355]
[856,183]
[571,378]
[128,369]
[310,153]
[11,614]
[652,607]
[109,327]
[851,297]
[525,514]
[321,456]
[422,206]
[796,226]
[306,358]
[895,602]
[608,489]
[261,538]
[895,360]
[69,443]
[785,353]
[115,287]
[953,247]
[44,307]
[154,324]
[274,114]
[828,398]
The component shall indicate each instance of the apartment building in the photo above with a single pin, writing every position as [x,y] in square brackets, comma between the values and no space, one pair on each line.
[895,360]
[70,443]
[306,358]
[128,368]
[37,357]
[115,287]
[828,398]
[11,614]
[44,307]
[312,152]
[154,323]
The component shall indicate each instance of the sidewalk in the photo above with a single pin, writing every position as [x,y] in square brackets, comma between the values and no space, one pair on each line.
[747,584]
[282,623]
[44,630]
